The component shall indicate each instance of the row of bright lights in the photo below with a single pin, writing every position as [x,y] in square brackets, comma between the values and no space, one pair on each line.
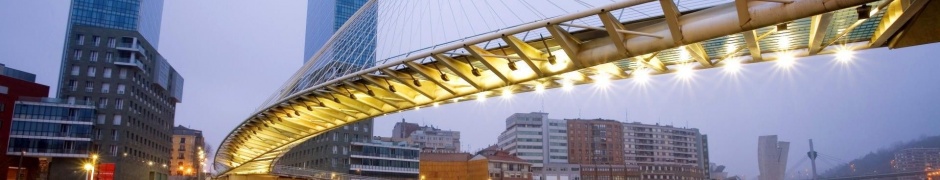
[784,60]
[685,71]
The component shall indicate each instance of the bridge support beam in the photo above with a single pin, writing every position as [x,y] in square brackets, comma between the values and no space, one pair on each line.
[898,13]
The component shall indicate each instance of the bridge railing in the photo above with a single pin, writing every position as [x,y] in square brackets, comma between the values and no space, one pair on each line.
[307,173]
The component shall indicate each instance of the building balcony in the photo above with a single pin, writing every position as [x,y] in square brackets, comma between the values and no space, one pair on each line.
[129,61]
[131,44]
[55,101]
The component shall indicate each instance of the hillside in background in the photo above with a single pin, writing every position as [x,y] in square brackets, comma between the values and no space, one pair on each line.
[880,160]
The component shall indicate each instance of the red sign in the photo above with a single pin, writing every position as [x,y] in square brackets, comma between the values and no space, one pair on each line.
[105,171]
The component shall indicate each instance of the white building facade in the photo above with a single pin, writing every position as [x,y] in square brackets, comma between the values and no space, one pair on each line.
[541,141]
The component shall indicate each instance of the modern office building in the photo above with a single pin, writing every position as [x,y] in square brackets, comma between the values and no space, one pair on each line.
[110,57]
[189,153]
[13,85]
[916,159]
[53,136]
[388,158]
[597,145]
[666,152]
[330,150]
[541,141]
[772,157]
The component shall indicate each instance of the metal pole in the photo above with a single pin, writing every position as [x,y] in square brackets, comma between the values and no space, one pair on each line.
[812,156]
[19,166]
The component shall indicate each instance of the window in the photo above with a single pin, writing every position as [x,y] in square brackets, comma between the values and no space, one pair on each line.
[89,86]
[113,150]
[117,120]
[111,42]
[105,87]
[101,118]
[114,133]
[97,40]
[107,73]
[93,56]
[77,54]
[182,140]
[71,99]
[118,104]
[103,103]
[76,70]
[123,73]
[120,89]
[80,39]
[98,134]
[107,57]
[91,71]
[73,85]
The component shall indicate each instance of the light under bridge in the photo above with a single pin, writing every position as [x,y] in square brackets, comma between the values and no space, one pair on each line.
[327,94]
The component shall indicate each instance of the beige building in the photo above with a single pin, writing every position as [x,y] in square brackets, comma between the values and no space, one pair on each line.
[188,154]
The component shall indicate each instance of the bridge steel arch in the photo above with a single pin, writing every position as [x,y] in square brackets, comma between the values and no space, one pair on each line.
[705,38]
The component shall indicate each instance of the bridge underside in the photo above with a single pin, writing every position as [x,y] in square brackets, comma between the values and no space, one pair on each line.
[744,31]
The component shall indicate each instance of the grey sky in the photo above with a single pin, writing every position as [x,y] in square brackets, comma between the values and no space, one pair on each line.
[234,54]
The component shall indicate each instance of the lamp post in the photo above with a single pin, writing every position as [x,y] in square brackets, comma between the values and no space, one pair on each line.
[19,166]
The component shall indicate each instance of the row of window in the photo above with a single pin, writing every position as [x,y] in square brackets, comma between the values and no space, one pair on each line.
[96,40]
[48,146]
[92,71]
[27,111]
[28,128]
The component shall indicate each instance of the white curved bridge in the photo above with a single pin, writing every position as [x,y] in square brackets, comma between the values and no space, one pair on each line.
[597,44]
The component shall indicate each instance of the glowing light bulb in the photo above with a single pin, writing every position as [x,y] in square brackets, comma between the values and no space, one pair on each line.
[567,85]
[539,88]
[436,104]
[641,76]
[602,80]
[732,65]
[507,93]
[844,54]
[786,60]
[417,108]
[481,96]
[685,71]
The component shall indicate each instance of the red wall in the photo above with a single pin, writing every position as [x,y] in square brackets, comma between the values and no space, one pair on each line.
[17,88]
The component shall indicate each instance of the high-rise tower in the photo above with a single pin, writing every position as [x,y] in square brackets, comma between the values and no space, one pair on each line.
[110,58]
[772,157]
[330,150]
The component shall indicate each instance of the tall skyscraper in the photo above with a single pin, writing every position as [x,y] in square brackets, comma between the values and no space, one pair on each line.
[772,157]
[110,57]
[330,150]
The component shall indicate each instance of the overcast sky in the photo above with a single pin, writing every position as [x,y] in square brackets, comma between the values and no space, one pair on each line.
[234,54]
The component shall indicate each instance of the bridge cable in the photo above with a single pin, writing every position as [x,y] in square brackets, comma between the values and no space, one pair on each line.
[398,16]
[487,24]
[497,15]
[454,19]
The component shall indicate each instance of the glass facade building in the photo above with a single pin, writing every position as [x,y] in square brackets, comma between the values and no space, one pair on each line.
[323,19]
[385,158]
[51,129]
[110,58]
[133,15]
